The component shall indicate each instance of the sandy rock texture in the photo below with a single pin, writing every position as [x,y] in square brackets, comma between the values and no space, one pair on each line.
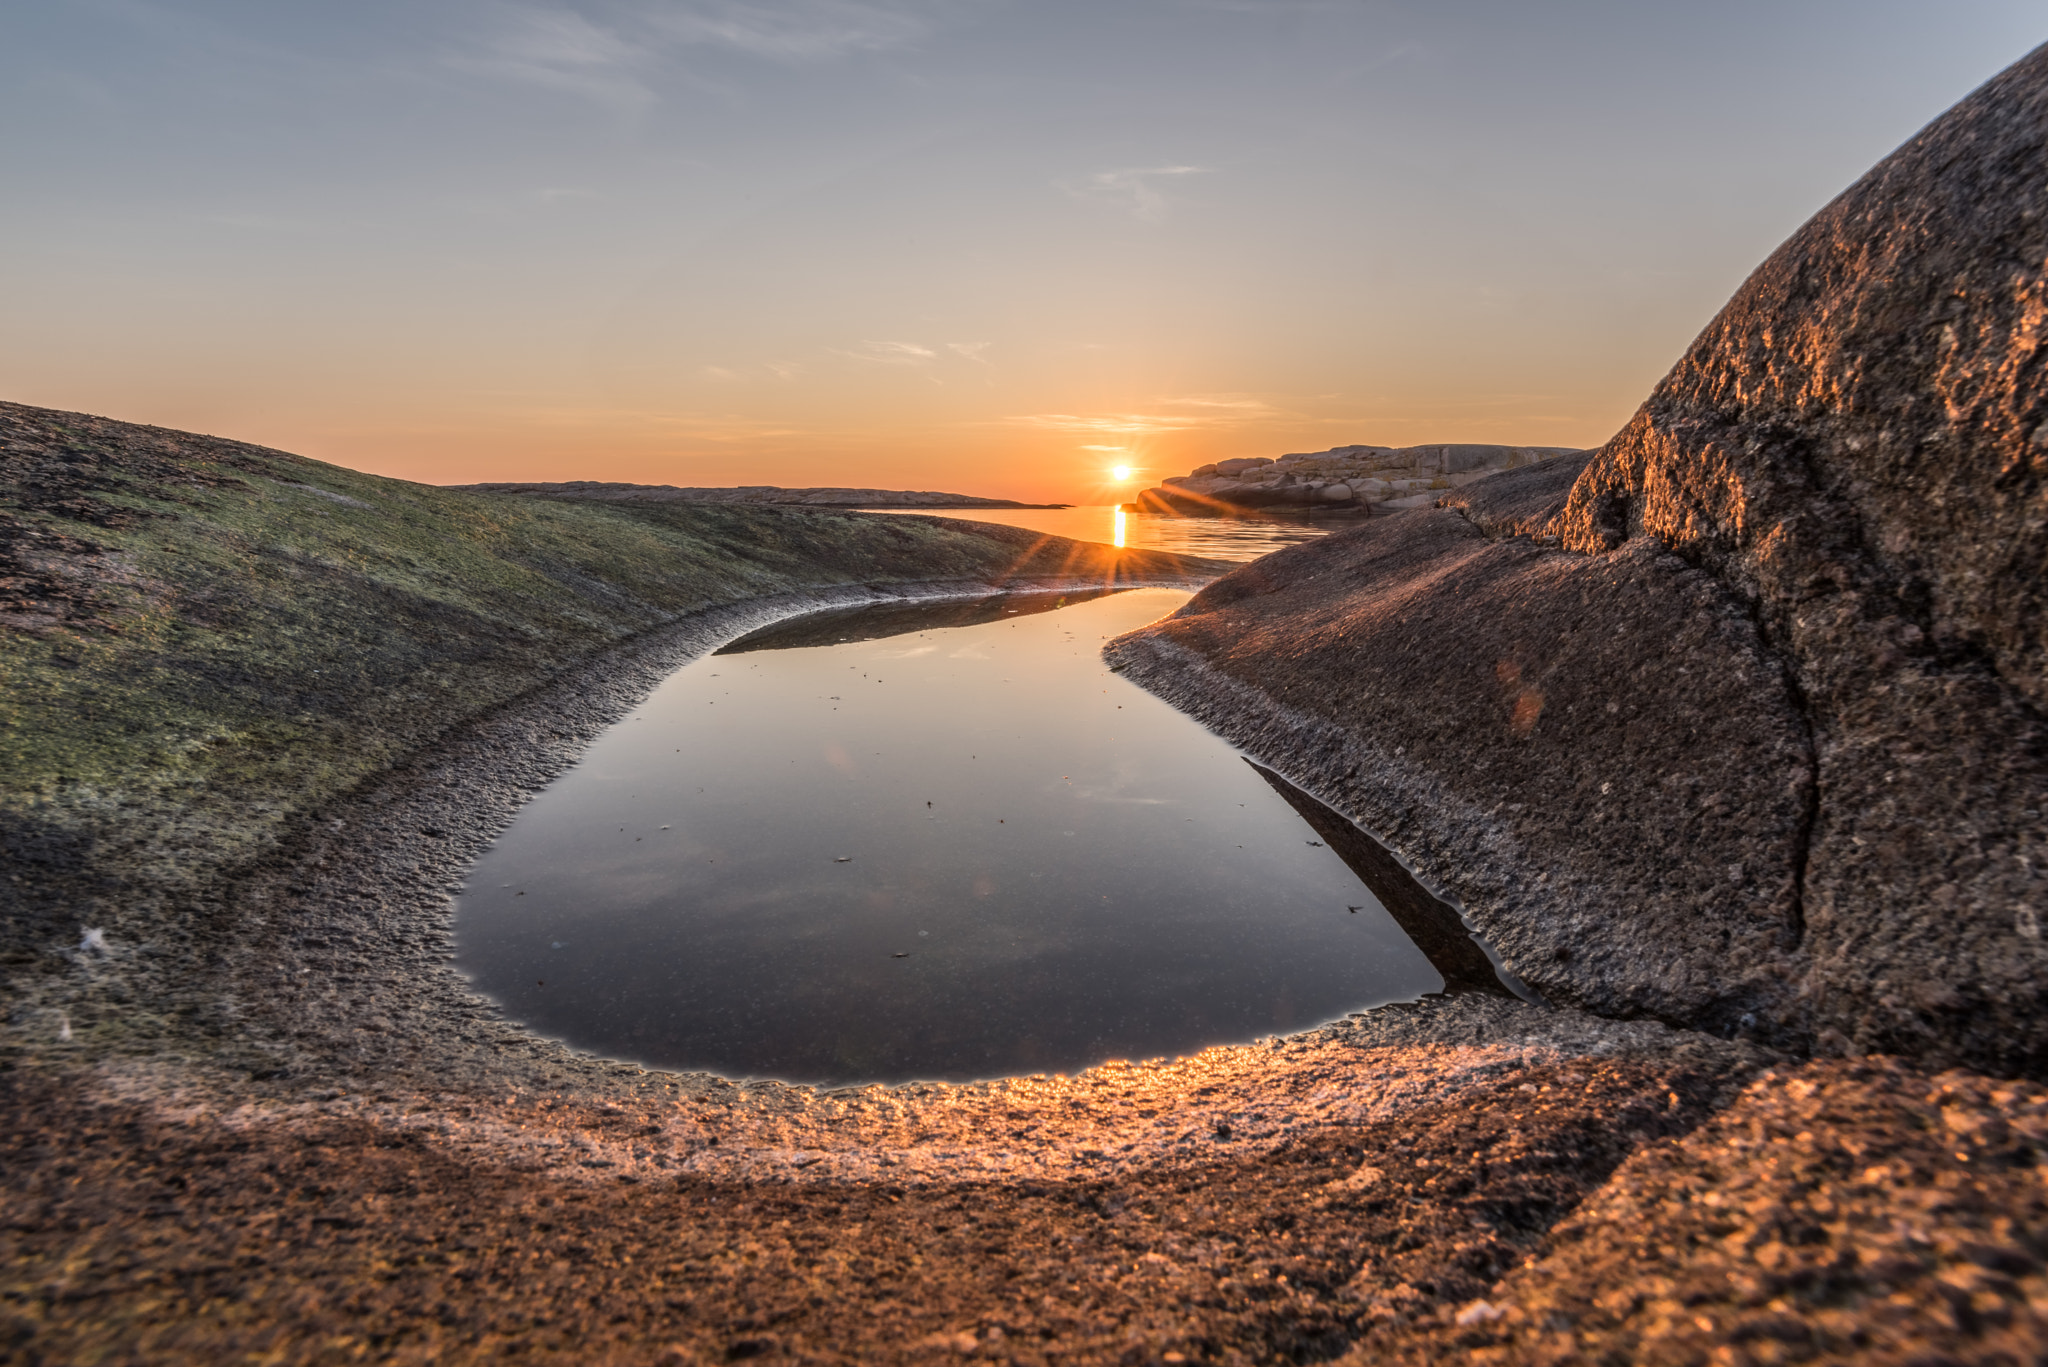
[1259,1204]
[1737,722]
[1838,1212]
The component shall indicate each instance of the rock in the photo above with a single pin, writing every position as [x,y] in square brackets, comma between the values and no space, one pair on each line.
[1295,479]
[1794,622]
[1235,467]
[1334,493]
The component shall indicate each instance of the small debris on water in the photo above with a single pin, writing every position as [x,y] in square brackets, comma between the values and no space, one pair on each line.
[904,955]
[1316,843]
[842,859]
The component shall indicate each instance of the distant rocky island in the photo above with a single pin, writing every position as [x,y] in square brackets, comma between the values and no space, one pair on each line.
[1355,479]
[750,493]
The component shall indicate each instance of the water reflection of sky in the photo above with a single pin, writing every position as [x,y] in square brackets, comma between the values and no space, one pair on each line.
[1219,538]
[947,853]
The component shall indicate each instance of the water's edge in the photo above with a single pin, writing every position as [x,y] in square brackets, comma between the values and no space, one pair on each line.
[371,883]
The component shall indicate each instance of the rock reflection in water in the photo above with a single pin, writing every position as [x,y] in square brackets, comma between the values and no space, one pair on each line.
[952,851]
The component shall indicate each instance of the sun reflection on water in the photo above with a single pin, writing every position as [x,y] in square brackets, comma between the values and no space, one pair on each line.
[1118,536]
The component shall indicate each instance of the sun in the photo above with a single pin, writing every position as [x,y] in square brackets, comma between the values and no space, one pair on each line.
[1121,472]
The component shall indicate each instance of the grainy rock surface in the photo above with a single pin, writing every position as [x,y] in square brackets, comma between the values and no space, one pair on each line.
[1594,755]
[1261,1204]
[1857,447]
[1749,719]
[1838,1212]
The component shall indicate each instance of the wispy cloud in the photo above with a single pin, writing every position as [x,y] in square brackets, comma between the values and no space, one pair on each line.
[893,353]
[562,50]
[1132,188]
[971,350]
[1170,415]
[614,52]
[795,30]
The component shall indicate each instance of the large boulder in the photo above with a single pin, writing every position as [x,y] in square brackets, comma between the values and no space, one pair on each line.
[1737,723]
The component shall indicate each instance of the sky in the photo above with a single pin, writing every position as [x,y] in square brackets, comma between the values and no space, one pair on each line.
[985,246]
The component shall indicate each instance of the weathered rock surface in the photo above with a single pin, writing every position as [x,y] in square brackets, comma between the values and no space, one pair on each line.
[1539,732]
[604,492]
[1344,478]
[1759,745]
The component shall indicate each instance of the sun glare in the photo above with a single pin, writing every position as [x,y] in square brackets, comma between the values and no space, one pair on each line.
[1121,472]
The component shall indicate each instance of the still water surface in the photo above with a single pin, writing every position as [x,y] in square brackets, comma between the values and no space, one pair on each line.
[1218,538]
[922,842]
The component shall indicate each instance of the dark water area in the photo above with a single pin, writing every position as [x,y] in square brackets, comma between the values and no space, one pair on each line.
[937,841]
[1216,538]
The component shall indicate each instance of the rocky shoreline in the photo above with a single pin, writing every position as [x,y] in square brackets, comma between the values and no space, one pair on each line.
[1727,734]
[1344,479]
[284,1127]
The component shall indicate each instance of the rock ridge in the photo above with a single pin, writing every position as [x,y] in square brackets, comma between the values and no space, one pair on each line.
[1342,479]
[1846,474]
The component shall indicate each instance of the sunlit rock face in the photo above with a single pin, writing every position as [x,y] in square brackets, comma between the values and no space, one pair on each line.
[1846,474]
[1595,754]
[1354,477]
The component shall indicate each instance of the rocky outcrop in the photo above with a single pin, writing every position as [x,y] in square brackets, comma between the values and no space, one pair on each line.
[1741,727]
[600,491]
[1344,478]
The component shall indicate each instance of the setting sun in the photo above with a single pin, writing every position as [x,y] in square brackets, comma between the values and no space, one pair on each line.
[1121,472]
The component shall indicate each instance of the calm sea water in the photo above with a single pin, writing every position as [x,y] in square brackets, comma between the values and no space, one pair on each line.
[1219,538]
[925,842]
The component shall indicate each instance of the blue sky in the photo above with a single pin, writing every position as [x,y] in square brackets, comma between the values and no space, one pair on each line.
[967,244]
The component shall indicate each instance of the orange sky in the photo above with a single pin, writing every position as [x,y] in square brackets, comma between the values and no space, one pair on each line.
[968,245]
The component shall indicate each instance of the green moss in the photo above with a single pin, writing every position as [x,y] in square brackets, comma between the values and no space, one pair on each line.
[238,635]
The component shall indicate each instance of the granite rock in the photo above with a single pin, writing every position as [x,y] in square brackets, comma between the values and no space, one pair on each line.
[1363,474]
[1809,576]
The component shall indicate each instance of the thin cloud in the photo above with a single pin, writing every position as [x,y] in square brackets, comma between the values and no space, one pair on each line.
[1104,424]
[1193,412]
[893,353]
[1132,189]
[971,350]
[796,31]
[561,50]
[619,53]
